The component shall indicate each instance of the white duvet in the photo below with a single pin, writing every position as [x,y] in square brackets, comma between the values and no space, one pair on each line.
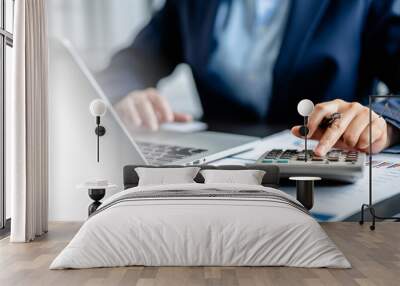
[200,231]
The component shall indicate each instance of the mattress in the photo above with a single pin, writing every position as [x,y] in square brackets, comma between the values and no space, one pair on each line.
[201,225]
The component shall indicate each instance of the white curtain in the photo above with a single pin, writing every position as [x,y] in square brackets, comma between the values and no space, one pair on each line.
[26,119]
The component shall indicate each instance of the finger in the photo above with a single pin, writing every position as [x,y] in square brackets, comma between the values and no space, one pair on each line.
[321,111]
[318,134]
[340,144]
[147,113]
[182,117]
[132,115]
[378,128]
[296,132]
[353,132]
[377,146]
[161,106]
[127,112]
[333,133]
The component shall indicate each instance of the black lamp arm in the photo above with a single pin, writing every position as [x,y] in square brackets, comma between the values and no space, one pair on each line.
[370,205]
[99,131]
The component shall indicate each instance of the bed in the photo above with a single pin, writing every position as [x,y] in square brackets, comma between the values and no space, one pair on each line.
[201,224]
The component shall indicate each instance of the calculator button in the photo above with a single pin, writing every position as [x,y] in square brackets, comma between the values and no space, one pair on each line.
[273,154]
[318,159]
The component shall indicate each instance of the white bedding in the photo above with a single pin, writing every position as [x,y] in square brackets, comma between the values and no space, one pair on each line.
[200,231]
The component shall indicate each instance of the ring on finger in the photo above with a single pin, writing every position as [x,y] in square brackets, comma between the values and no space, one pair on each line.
[330,120]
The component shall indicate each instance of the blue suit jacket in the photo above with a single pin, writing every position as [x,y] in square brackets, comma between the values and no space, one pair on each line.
[331,49]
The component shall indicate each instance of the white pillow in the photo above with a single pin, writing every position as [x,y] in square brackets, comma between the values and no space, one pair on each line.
[248,177]
[165,176]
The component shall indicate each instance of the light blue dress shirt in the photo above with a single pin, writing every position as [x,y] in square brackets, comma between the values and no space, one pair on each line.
[249,35]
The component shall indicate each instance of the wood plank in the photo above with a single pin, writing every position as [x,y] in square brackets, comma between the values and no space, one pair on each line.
[375,257]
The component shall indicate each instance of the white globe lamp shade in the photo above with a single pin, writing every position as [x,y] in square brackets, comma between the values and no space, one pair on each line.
[98,107]
[305,107]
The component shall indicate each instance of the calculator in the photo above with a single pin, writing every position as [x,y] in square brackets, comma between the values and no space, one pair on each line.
[337,165]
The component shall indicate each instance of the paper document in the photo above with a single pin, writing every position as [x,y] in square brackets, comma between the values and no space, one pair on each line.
[333,202]
[345,200]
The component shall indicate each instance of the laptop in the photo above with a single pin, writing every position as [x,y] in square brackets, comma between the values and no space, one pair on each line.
[166,147]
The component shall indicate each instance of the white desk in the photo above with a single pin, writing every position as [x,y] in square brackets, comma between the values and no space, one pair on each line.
[339,202]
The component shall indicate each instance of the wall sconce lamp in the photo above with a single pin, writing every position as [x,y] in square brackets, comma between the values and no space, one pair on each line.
[98,109]
[304,108]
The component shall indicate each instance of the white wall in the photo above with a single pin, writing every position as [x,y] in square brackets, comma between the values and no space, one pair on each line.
[96,28]
[72,140]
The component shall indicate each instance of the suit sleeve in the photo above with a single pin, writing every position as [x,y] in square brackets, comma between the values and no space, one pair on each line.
[382,37]
[154,54]
[390,110]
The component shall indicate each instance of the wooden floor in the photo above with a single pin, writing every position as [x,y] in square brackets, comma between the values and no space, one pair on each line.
[375,257]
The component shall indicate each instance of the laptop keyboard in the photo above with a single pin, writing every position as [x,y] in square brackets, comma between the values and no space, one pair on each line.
[161,154]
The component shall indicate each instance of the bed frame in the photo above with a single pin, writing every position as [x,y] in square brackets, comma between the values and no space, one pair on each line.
[270,179]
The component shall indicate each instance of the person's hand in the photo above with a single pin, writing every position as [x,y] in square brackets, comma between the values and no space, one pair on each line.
[147,108]
[350,132]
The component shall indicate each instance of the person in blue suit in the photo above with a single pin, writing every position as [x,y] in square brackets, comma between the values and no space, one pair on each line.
[254,60]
